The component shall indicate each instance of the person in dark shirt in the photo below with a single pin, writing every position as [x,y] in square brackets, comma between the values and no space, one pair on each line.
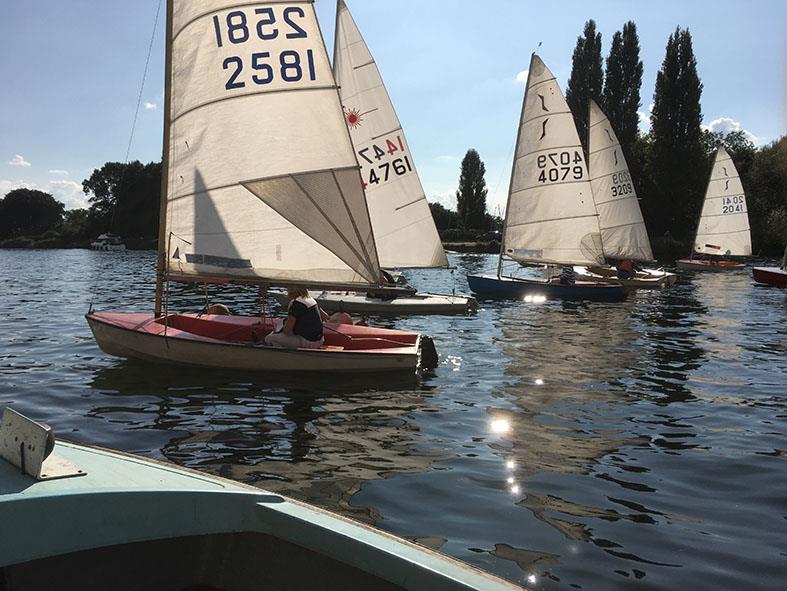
[567,275]
[303,327]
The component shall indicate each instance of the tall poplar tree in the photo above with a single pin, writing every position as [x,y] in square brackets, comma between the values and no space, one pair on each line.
[679,166]
[623,80]
[586,79]
[471,196]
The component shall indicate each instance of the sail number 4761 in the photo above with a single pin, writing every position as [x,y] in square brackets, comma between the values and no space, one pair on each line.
[379,171]
[559,166]
[290,66]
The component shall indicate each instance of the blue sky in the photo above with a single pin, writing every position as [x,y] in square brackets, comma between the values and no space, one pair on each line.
[71,73]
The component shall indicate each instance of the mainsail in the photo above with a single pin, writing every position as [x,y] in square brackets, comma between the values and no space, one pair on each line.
[623,232]
[404,229]
[262,182]
[724,222]
[550,217]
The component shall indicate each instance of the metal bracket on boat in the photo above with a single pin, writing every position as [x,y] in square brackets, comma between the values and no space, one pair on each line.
[28,445]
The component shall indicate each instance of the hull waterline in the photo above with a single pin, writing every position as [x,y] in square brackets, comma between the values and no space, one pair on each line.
[508,288]
[646,280]
[235,343]
[713,267]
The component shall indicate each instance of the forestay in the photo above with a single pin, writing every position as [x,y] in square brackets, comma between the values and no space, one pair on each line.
[550,217]
[262,179]
[623,232]
[724,222]
[404,229]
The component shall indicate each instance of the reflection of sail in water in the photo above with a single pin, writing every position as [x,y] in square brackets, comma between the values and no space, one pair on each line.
[317,447]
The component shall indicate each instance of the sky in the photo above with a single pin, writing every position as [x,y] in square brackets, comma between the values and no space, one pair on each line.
[71,73]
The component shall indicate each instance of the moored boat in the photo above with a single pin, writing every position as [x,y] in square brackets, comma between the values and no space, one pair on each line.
[369,303]
[108,242]
[77,517]
[711,265]
[774,276]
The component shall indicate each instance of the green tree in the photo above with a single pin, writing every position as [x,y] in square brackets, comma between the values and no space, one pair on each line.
[125,198]
[623,80]
[586,78]
[679,165]
[28,212]
[766,190]
[471,196]
[444,218]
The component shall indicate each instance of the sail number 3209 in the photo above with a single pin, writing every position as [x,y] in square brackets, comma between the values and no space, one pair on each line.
[289,65]
[560,166]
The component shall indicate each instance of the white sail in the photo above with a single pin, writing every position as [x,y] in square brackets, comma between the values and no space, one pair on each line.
[724,222]
[404,229]
[623,232]
[262,182]
[550,217]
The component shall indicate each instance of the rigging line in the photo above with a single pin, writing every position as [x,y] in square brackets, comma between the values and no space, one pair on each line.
[144,77]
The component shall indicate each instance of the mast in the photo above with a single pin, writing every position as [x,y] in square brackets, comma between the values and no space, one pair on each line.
[162,225]
[513,168]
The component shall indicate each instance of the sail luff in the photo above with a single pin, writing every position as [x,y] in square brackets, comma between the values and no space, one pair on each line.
[161,259]
[623,231]
[550,215]
[404,229]
[263,181]
[723,227]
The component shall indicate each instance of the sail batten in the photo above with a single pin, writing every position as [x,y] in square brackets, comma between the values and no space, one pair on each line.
[724,211]
[405,233]
[261,169]
[550,216]
[623,231]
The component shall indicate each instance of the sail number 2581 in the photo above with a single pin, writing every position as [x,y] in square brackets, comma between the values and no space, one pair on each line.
[289,65]
[559,166]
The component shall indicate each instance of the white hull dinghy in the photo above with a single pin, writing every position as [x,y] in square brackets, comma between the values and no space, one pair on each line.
[723,229]
[645,279]
[261,186]
[81,518]
[364,303]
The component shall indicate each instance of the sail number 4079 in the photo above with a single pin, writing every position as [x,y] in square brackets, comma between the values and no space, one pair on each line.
[559,166]
[290,66]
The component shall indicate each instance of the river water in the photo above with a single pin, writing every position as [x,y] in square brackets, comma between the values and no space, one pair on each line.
[559,445]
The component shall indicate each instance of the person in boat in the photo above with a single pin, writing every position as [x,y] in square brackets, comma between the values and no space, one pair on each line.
[303,327]
[387,281]
[567,275]
[627,269]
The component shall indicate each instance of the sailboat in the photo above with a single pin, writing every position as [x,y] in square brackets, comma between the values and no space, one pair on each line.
[623,232]
[260,186]
[83,518]
[774,276]
[404,229]
[723,229]
[550,216]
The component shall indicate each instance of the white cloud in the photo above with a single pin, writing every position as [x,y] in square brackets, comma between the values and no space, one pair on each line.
[69,193]
[150,106]
[18,160]
[644,119]
[725,125]
[58,171]
[522,77]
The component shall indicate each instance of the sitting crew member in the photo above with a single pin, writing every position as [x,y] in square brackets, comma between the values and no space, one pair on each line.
[627,269]
[567,275]
[303,327]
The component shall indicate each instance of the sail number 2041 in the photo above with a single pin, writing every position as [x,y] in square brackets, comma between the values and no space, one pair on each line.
[560,166]
[236,28]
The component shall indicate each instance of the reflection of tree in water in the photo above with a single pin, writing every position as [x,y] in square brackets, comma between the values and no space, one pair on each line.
[575,370]
[316,439]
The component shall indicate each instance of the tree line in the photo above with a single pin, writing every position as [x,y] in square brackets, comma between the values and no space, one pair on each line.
[670,164]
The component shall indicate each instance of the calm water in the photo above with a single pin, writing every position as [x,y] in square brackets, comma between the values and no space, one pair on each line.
[562,446]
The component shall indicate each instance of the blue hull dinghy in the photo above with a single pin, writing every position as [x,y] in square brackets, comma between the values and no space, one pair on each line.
[516,288]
